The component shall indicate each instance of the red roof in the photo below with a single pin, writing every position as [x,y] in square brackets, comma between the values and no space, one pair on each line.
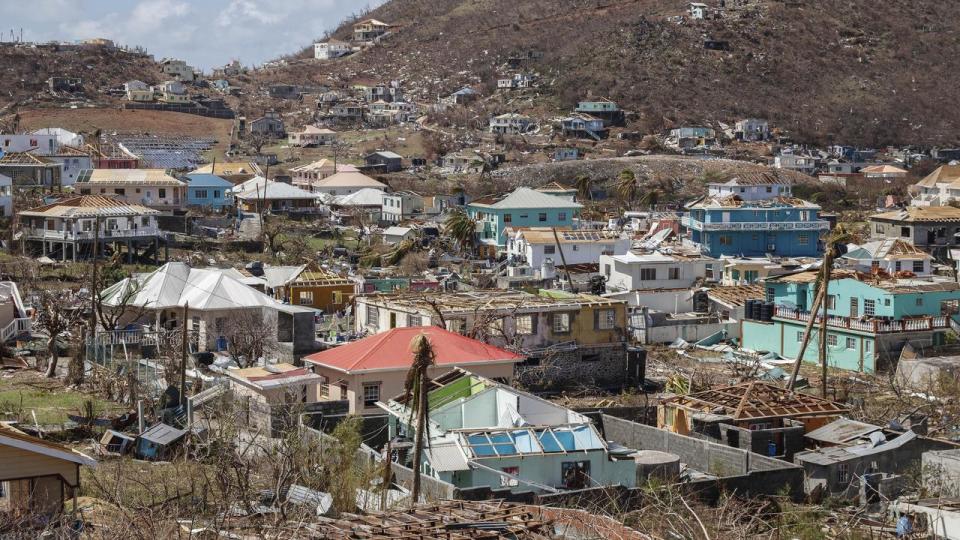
[391,351]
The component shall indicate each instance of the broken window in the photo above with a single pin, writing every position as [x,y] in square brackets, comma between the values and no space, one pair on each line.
[524,325]
[843,473]
[606,319]
[949,307]
[561,323]
[647,274]
[306,298]
[373,315]
[371,394]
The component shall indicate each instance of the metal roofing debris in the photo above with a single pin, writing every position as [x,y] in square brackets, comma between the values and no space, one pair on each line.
[165,151]
[162,434]
[756,400]
[842,431]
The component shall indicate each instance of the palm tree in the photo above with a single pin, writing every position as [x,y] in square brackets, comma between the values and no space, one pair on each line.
[462,228]
[415,395]
[584,187]
[400,251]
[627,188]
[651,196]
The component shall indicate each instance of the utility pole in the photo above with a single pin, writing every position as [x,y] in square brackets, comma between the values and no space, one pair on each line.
[563,259]
[183,355]
[827,264]
[94,287]
[814,309]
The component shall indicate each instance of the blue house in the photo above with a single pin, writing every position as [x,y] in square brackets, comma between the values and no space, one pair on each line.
[524,207]
[207,190]
[870,320]
[735,221]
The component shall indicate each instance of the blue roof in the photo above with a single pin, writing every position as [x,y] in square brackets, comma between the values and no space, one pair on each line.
[207,180]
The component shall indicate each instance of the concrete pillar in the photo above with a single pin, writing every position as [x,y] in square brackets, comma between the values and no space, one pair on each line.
[129,253]
[44,242]
[63,251]
[74,251]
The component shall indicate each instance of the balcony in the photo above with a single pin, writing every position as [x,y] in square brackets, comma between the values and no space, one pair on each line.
[105,234]
[691,223]
[873,326]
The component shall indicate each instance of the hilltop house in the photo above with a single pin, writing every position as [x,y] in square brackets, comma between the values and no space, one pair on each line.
[606,110]
[345,182]
[366,371]
[938,188]
[270,125]
[369,30]
[732,226]
[584,126]
[871,318]
[305,176]
[153,188]
[259,193]
[631,271]
[791,161]
[519,80]
[748,270]
[67,226]
[330,49]
[883,172]
[923,226]
[138,91]
[363,207]
[313,136]
[533,245]
[207,191]
[751,187]
[177,69]
[691,137]
[524,207]
[171,92]
[6,196]
[511,124]
[487,434]
[401,205]
[274,394]
[73,162]
[892,256]
[751,130]
[384,161]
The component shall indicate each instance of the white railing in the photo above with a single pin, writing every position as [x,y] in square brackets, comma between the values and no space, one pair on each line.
[875,326]
[15,328]
[126,337]
[756,225]
[44,234]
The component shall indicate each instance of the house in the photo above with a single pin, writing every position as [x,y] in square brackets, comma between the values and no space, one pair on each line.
[629,270]
[606,110]
[63,137]
[752,187]
[384,161]
[511,124]
[138,91]
[153,188]
[584,126]
[107,155]
[313,136]
[891,255]
[463,96]
[401,206]
[363,207]
[748,270]
[566,154]
[684,138]
[370,30]
[310,286]
[524,207]
[519,80]
[534,245]
[871,318]
[559,190]
[270,125]
[464,162]
[64,84]
[28,170]
[731,226]
[565,336]
[208,191]
[395,235]
[364,372]
[305,176]
[759,416]
[487,434]
[158,443]
[6,196]
[37,477]
[28,142]
[347,112]
[330,49]
[273,394]
[258,194]
[802,163]
[72,160]
[883,172]
[171,92]
[923,226]
[67,227]
[233,172]
[219,304]
[698,11]
[178,69]
[751,129]
[938,188]
[346,182]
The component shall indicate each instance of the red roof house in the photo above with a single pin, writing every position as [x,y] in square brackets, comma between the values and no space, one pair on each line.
[364,370]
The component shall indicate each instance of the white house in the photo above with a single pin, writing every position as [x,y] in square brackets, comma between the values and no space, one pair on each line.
[313,136]
[25,142]
[752,129]
[395,235]
[510,124]
[654,270]
[890,255]
[533,245]
[332,48]
[796,162]
[177,69]
[138,91]
[347,182]
[150,187]
[401,205]
[698,10]
[752,186]
[938,188]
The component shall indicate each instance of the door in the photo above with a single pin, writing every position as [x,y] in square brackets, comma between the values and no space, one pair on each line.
[854,308]
[393,320]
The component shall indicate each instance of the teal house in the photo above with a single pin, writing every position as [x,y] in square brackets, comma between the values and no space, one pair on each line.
[524,207]
[870,318]
[207,190]
[487,434]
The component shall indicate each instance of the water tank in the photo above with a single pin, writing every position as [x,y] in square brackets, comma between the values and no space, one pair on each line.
[636,365]
[755,310]
[748,308]
[547,269]
[653,464]
[766,311]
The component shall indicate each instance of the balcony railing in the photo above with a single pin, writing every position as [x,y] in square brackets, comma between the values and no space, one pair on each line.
[756,225]
[45,234]
[873,326]
[15,328]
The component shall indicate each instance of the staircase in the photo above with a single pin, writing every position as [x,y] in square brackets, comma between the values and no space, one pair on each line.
[17,327]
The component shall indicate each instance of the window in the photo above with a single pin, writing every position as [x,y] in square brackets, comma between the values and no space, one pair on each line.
[804,239]
[576,248]
[509,482]
[869,308]
[647,274]
[831,301]
[771,293]
[200,193]
[524,324]
[305,298]
[673,273]
[605,319]
[851,343]
[866,346]
[886,301]
[832,340]
[561,323]
[524,216]
[726,240]
[414,320]
[799,336]
[769,189]
[606,270]
[878,228]
[898,267]
[905,232]
[162,193]
[324,386]
[949,307]
[120,191]
[562,216]
[919,301]
[145,221]
[542,216]
[804,215]
[575,474]
[843,473]
[549,250]
[918,267]
[373,315]
[458,326]
[216,194]
[508,218]
[371,394]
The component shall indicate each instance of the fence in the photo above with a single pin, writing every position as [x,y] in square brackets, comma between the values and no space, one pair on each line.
[875,326]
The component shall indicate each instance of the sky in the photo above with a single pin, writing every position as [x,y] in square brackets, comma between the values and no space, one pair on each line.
[205,33]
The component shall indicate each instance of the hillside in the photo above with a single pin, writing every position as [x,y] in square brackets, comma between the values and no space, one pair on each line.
[852,71]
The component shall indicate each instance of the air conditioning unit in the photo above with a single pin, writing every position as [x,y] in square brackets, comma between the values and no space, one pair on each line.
[519,271]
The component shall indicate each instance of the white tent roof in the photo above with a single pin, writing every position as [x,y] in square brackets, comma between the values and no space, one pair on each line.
[363,197]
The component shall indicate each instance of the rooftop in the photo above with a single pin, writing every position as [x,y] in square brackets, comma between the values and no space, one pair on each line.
[945,174]
[545,235]
[737,295]
[733,201]
[524,197]
[83,206]
[226,168]
[349,179]
[754,179]
[151,177]
[889,248]
[495,299]
[11,436]
[273,376]
[757,400]
[936,214]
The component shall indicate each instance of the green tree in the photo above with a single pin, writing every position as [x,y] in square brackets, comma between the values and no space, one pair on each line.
[627,188]
[584,186]
[462,229]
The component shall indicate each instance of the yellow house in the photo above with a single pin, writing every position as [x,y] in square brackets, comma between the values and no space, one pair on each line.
[316,288]
[36,475]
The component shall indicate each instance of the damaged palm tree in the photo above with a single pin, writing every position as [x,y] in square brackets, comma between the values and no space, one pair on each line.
[837,237]
[415,395]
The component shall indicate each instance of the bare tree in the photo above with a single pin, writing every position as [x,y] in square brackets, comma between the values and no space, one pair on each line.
[251,335]
[59,313]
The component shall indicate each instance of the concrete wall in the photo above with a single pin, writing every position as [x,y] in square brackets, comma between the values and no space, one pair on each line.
[941,472]
[597,366]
